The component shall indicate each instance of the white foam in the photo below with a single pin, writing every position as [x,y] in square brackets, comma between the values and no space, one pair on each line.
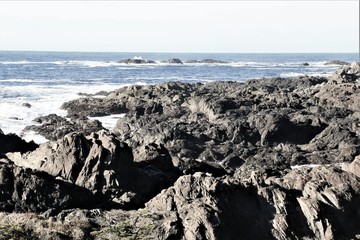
[110,121]
[312,74]
[44,100]
[32,136]
[306,166]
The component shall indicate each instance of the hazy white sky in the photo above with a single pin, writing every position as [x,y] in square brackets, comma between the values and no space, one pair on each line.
[180,26]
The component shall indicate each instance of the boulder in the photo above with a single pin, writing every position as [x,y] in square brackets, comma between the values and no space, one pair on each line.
[173,61]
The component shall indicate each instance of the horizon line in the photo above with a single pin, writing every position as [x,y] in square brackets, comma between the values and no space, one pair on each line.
[181,52]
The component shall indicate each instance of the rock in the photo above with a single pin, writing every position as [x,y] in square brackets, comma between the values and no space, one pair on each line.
[27,190]
[173,61]
[305,64]
[347,73]
[27,105]
[54,127]
[336,62]
[267,159]
[101,164]
[13,143]
[136,61]
[93,107]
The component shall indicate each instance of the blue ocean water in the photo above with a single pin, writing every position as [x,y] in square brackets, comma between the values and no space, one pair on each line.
[47,79]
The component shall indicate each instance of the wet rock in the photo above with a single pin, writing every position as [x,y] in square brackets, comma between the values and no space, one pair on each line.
[173,61]
[206,61]
[136,61]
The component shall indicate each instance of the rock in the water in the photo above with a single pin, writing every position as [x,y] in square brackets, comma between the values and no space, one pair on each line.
[336,62]
[28,105]
[173,61]
[136,61]
[206,61]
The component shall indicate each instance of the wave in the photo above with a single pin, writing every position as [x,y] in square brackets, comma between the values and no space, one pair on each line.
[312,74]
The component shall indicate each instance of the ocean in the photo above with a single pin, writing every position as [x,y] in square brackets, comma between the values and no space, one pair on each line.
[47,79]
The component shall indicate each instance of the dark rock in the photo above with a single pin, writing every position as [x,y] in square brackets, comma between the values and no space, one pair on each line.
[136,61]
[28,105]
[206,61]
[305,64]
[27,190]
[13,143]
[54,127]
[101,164]
[336,62]
[173,61]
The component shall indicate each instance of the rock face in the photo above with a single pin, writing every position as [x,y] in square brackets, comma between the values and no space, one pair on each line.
[27,190]
[266,159]
[100,164]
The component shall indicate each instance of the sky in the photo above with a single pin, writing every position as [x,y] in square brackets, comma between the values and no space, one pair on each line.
[180,26]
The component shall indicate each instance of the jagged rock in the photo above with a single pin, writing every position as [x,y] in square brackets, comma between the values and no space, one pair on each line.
[24,190]
[266,159]
[101,164]
[347,73]
[13,143]
[54,127]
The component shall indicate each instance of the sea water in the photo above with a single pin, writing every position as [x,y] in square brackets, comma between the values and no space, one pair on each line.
[47,79]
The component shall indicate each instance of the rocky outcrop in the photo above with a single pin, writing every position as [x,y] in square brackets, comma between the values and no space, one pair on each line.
[54,127]
[136,61]
[347,73]
[13,143]
[173,61]
[206,61]
[267,159]
[101,164]
[24,190]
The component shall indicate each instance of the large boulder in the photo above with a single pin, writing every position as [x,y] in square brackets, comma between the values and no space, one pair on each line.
[101,164]
[28,190]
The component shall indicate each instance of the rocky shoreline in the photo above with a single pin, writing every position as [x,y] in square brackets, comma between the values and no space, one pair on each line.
[267,159]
